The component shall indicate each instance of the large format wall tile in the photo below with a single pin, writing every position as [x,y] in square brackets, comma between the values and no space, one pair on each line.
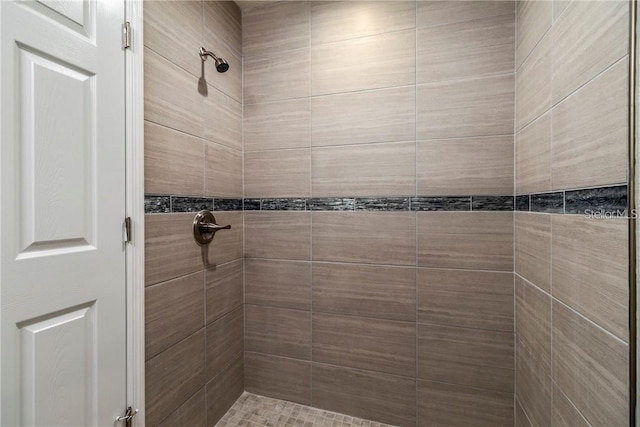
[521,419]
[474,107]
[563,412]
[533,157]
[276,125]
[173,161]
[224,288]
[170,250]
[223,390]
[454,405]
[278,331]
[477,166]
[223,171]
[433,13]
[171,96]
[278,377]
[179,369]
[364,343]
[191,413]
[533,21]
[590,367]
[276,76]
[365,290]
[379,61]
[533,84]
[276,283]
[533,248]
[275,27]
[225,342]
[167,324]
[371,237]
[278,235]
[470,357]
[229,82]
[589,133]
[362,117]
[467,240]
[590,274]
[224,20]
[336,21]
[277,173]
[222,119]
[533,323]
[227,244]
[177,39]
[589,36]
[533,386]
[472,48]
[370,395]
[364,170]
[472,299]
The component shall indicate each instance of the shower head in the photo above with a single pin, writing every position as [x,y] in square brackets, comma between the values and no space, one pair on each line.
[221,65]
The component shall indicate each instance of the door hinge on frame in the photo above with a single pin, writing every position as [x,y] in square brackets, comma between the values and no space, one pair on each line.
[126,35]
[127,229]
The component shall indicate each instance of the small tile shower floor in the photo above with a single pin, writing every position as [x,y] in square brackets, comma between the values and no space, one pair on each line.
[251,410]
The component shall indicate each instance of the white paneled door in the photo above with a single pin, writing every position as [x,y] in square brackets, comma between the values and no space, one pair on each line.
[62,194]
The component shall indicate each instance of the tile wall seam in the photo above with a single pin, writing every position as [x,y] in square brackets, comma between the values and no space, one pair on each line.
[557,386]
[310,133]
[203,388]
[175,344]
[517,402]
[584,317]
[526,58]
[471,328]
[600,74]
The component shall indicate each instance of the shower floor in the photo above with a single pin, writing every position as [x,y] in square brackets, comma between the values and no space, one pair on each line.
[251,410]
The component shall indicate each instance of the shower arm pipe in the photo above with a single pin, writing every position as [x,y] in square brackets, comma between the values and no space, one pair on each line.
[204,53]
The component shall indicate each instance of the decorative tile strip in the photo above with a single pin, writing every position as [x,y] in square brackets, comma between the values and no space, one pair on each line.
[227,204]
[191,204]
[283,205]
[548,202]
[157,204]
[611,200]
[251,204]
[522,203]
[491,203]
[382,204]
[441,203]
[330,204]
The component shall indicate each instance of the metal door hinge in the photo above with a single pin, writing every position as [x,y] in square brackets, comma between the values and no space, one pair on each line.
[127,229]
[127,417]
[126,35]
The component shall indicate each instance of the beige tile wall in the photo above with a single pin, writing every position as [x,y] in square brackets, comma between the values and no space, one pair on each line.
[374,313]
[193,147]
[571,271]
[381,99]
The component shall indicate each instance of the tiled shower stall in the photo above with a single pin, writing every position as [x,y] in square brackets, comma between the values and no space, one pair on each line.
[406,184]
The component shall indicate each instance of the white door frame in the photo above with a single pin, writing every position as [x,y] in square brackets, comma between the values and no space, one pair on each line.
[134,104]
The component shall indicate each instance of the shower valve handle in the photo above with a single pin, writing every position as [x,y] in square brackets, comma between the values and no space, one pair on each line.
[205,227]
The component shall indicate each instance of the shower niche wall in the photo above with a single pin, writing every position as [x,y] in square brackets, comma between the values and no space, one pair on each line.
[405,182]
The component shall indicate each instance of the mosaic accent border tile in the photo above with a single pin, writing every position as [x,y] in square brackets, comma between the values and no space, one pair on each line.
[260,411]
[609,199]
[547,202]
[492,203]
